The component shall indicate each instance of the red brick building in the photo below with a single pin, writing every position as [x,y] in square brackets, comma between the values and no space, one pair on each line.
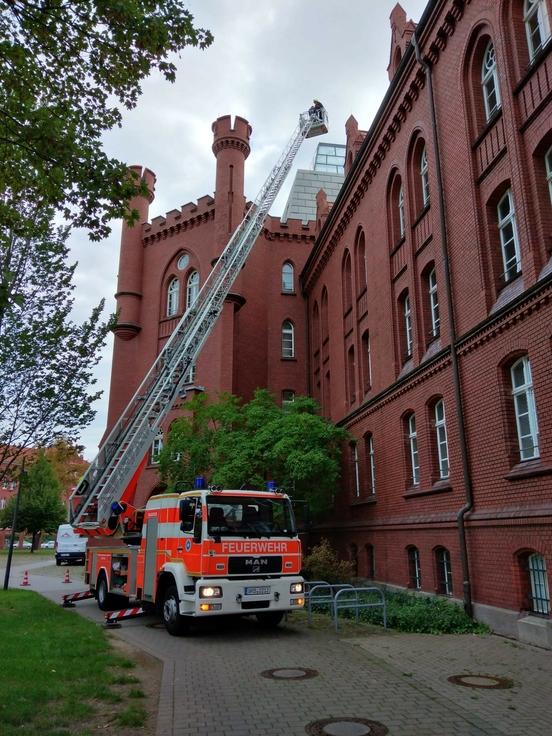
[422,321]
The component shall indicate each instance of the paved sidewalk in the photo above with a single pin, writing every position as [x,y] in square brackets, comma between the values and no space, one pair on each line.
[212,683]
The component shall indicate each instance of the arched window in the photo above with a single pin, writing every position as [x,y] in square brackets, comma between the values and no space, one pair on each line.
[173,297]
[489,81]
[351,374]
[353,555]
[156,447]
[509,243]
[441,439]
[346,284]
[424,177]
[412,442]
[525,409]
[192,288]
[370,459]
[444,571]
[361,262]
[537,25]
[414,568]
[408,339]
[538,580]
[287,277]
[548,165]
[433,303]
[366,362]
[355,470]
[288,339]
[370,561]
[400,207]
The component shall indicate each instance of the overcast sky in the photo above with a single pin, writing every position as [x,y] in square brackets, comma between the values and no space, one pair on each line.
[267,62]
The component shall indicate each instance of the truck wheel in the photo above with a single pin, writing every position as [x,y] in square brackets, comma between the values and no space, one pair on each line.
[174,622]
[106,600]
[270,619]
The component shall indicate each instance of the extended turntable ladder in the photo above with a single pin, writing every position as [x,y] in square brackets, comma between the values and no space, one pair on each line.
[123,452]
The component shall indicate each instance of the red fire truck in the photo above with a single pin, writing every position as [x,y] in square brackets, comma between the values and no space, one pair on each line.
[203,553]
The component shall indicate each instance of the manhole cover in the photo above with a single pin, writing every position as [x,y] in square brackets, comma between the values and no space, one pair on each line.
[487,682]
[346,727]
[289,673]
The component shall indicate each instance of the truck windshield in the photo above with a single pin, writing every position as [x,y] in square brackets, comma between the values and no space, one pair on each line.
[250,517]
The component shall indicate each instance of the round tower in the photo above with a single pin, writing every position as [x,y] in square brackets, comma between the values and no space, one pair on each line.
[231,148]
[131,261]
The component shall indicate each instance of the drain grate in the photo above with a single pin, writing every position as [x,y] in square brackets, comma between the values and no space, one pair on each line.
[289,673]
[346,727]
[486,682]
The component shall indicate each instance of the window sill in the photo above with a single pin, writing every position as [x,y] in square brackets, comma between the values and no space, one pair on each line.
[488,125]
[288,293]
[289,360]
[441,486]
[528,469]
[364,501]
[421,214]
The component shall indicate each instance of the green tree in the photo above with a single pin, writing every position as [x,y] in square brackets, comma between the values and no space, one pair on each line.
[46,359]
[67,69]
[40,507]
[235,444]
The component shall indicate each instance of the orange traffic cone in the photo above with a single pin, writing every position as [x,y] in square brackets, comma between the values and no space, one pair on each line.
[25,580]
[67,578]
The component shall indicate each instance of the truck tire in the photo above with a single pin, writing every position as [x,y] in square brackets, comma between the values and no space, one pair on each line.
[269,619]
[175,624]
[106,600]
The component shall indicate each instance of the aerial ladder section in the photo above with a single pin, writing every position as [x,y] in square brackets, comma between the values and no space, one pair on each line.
[112,476]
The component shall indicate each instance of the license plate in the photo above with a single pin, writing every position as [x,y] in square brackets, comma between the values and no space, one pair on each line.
[258,590]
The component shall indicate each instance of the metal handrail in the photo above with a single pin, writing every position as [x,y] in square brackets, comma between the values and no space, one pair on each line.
[357,604]
[325,598]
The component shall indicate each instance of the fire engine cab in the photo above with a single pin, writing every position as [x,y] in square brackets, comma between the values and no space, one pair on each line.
[203,553]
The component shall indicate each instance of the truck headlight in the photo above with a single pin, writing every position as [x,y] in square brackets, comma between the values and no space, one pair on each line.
[210,591]
[296,588]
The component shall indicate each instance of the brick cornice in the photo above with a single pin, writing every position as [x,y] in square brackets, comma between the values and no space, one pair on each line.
[170,230]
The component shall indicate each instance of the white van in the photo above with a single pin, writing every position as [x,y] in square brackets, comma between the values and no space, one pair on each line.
[70,548]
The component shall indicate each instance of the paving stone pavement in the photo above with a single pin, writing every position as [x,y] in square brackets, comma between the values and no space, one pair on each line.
[212,683]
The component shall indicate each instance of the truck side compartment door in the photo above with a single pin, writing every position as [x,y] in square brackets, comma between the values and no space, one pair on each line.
[150,560]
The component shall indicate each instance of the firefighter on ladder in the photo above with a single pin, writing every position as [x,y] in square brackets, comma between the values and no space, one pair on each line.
[315,109]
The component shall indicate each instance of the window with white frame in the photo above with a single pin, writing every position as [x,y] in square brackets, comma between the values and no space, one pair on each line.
[371,462]
[413,449]
[444,571]
[288,397]
[424,175]
[540,596]
[354,468]
[509,243]
[525,409]
[433,303]
[537,26]
[2,503]
[288,339]
[156,447]
[173,297]
[489,81]
[548,165]
[192,288]
[441,439]
[407,317]
[287,277]
[414,568]
[400,204]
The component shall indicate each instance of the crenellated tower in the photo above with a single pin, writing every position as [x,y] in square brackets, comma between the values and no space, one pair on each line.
[231,148]
[131,262]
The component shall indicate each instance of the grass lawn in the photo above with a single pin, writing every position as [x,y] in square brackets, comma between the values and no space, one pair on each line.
[59,674]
